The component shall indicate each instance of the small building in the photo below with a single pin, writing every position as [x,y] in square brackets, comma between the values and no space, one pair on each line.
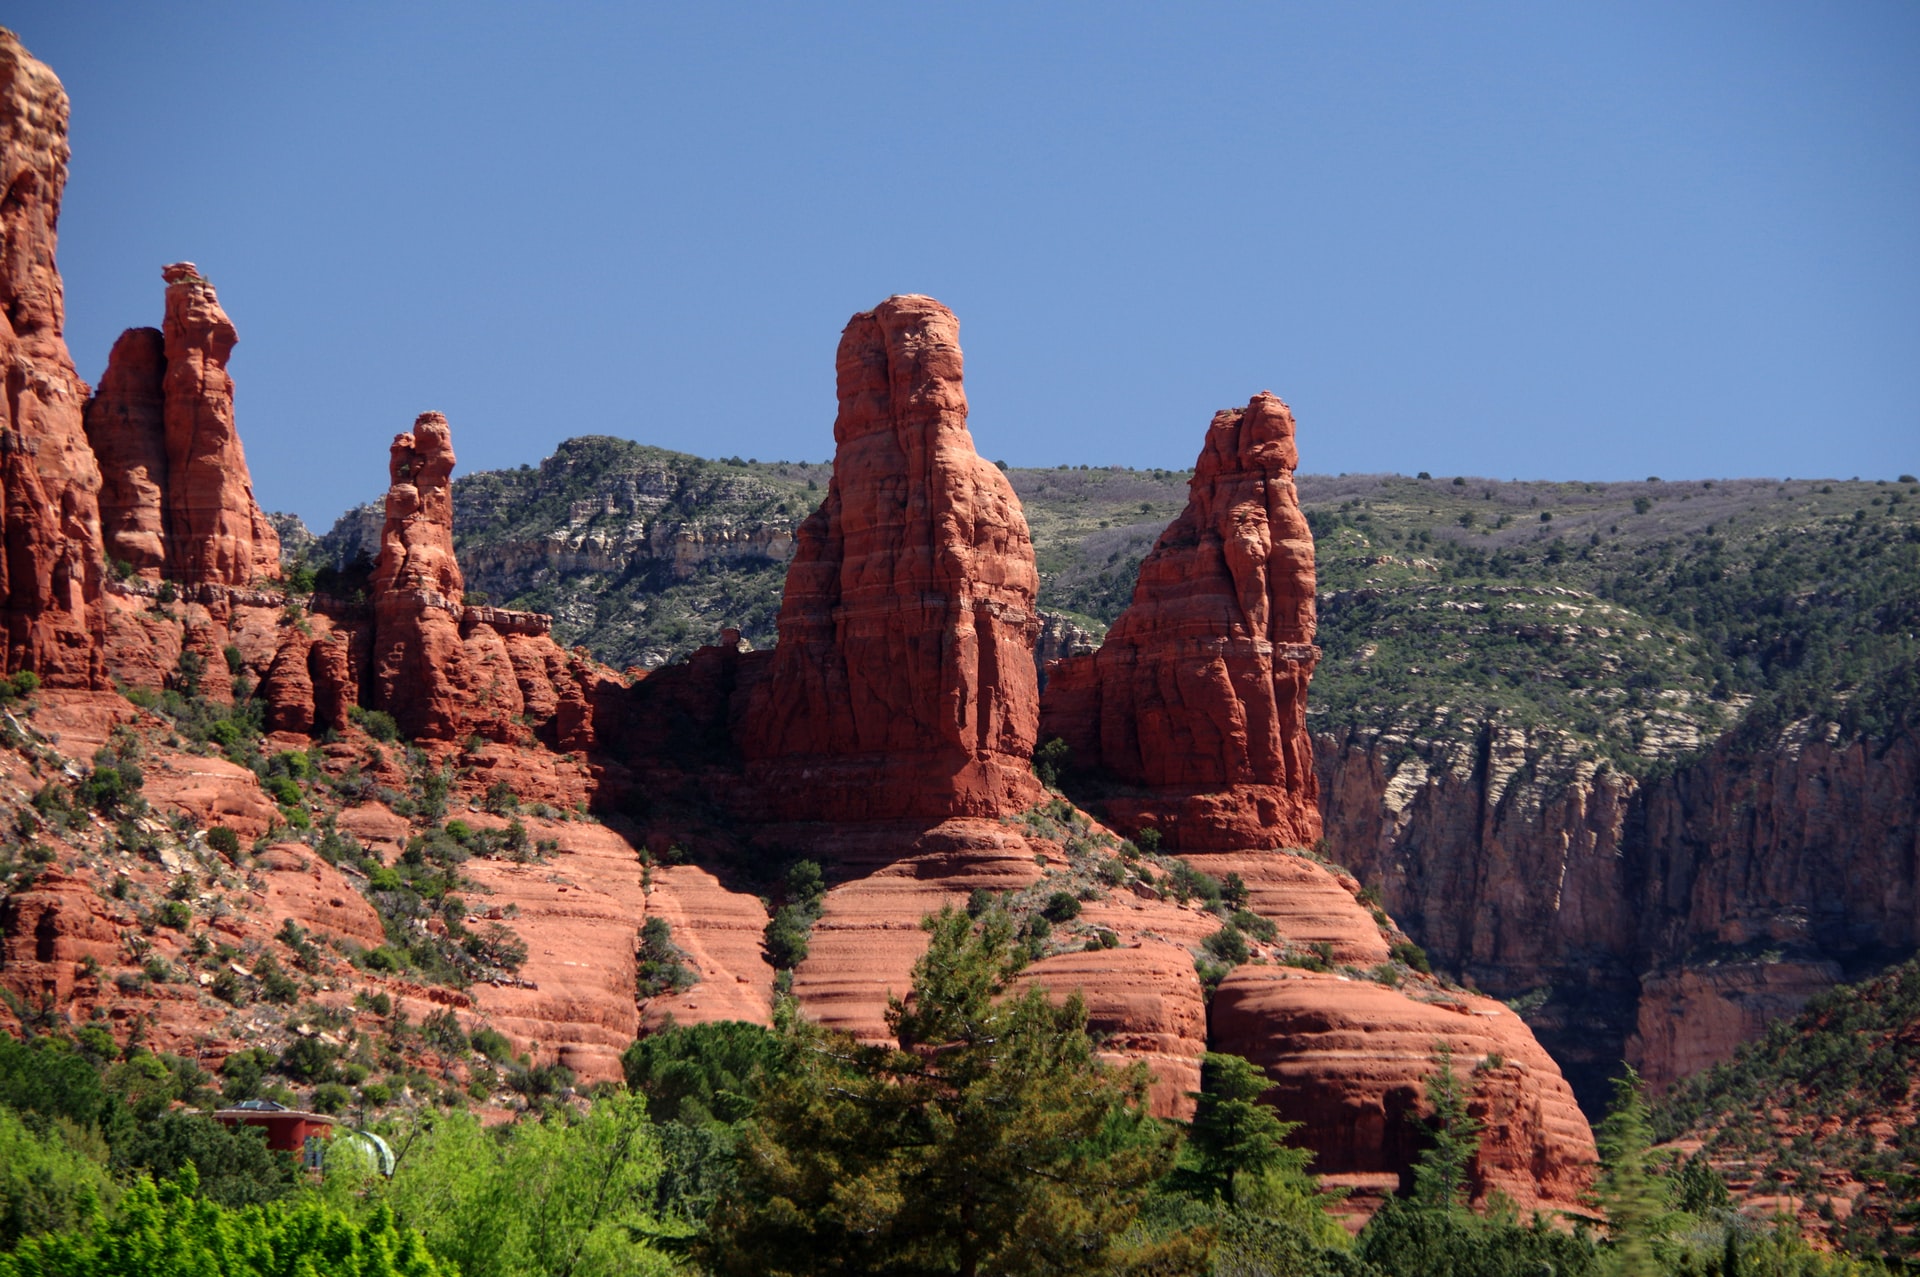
[288,1130]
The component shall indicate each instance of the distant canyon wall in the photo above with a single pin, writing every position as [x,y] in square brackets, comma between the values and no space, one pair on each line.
[1661,922]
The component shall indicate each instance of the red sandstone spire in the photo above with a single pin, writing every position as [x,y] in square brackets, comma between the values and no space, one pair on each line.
[903,683]
[1199,693]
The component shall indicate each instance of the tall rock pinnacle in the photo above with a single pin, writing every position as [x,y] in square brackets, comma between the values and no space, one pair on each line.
[1199,693]
[49,483]
[178,499]
[903,683]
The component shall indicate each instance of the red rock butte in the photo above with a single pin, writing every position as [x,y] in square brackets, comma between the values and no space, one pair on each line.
[1197,700]
[903,683]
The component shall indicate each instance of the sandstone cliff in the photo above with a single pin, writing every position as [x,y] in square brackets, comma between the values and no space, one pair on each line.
[49,518]
[1661,920]
[1198,696]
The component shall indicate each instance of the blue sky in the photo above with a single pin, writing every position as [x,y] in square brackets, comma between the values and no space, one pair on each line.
[1517,240]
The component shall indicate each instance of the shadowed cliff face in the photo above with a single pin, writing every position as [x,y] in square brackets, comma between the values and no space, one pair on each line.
[1662,922]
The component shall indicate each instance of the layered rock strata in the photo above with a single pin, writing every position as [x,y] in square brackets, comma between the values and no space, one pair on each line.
[178,498]
[903,683]
[1716,896]
[1349,1061]
[50,577]
[1197,699]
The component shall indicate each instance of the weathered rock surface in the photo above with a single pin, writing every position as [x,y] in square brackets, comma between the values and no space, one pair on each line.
[1587,889]
[178,498]
[1145,1002]
[47,930]
[126,426]
[50,577]
[1198,695]
[1349,1061]
[903,683]
[435,682]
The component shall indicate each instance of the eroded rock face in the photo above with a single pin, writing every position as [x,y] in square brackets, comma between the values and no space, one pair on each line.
[178,498]
[1631,901]
[1349,1060]
[49,519]
[1199,693]
[903,683]
[126,425]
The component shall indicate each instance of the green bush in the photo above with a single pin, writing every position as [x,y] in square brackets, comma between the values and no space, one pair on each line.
[170,1230]
[1406,951]
[374,722]
[223,840]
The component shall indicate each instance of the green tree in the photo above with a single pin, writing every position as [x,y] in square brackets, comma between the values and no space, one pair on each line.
[990,1139]
[49,1181]
[570,1195]
[1441,1174]
[1631,1189]
[702,1071]
[1232,1132]
[169,1230]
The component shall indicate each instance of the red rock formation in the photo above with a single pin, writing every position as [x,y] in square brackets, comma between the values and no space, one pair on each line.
[418,671]
[903,683]
[1198,695]
[47,929]
[178,499]
[126,426]
[49,518]
[1349,1061]
[1612,891]
[216,532]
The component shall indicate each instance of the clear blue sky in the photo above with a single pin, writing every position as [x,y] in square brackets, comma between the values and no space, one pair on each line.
[1520,240]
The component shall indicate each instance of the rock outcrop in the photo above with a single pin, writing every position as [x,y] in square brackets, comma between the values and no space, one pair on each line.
[1350,1061]
[1198,696]
[177,499]
[421,671]
[50,578]
[903,683]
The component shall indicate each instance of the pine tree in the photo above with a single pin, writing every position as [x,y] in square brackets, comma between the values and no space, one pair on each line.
[1232,1132]
[1441,1174]
[1631,1190]
[990,1139]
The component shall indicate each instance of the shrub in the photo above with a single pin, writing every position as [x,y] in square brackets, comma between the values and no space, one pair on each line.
[175,914]
[223,840]
[376,723]
[1061,907]
[1227,944]
[1406,951]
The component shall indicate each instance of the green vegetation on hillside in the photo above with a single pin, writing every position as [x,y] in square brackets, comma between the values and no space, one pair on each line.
[1825,1108]
[988,1137]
